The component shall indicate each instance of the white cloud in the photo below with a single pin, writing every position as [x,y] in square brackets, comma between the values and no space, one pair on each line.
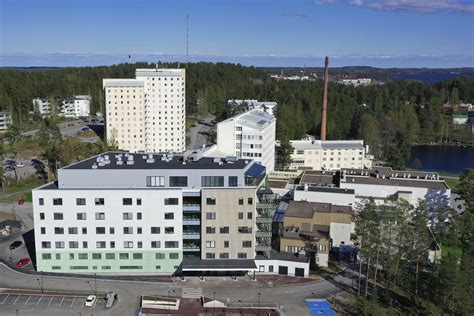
[413,6]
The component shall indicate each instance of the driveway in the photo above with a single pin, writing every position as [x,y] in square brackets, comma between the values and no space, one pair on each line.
[200,132]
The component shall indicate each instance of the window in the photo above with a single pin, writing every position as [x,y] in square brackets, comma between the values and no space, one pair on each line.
[45,244]
[210,230]
[128,216]
[139,244]
[43,230]
[131,267]
[80,201]
[261,268]
[58,230]
[270,268]
[246,244]
[249,215]
[137,256]
[245,230]
[82,256]
[84,230]
[212,181]
[210,215]
[224,255]
[58,216]
[100,230]
[72,230]
[155,230]
[169,230]
[171,201]
[139,215]
[139,201]
[233,181]
[127,201]
[59,244]
[210,255]
[128,244]
[123,256]
[241,215]
[100,216]
[81,216]
[41,216]
[99,201]
[155,244]
[57,201]
[128,230]
[100,244]
[242,255]
[96,256]
[171,244]
[111,230]
[174,255]
[84,244]
[159,256]
[241,201]
[178,181]
[224,230]
[210,244]
[152,181]
[41,201]
[112,244]
[139,230]
[250,201]
[210,201]
[169,215]
[46,256]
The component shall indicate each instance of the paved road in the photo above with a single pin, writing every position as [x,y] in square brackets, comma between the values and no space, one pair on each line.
[198,132]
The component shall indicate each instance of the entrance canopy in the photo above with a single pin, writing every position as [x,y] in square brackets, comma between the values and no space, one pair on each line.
[197,264]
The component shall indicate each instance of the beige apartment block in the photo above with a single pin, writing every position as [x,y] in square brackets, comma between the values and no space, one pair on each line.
[228,223]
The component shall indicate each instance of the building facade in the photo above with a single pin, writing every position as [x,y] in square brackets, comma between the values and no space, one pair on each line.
[249,135]
[71,106]
[121,213]
[147,113]
[237,106]
[5,120]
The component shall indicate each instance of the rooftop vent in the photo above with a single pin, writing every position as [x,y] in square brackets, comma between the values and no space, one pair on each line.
[119,162]
[150,160]
[129,162]
[94,166]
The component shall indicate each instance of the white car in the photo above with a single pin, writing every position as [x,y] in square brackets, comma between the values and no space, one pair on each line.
[90,301]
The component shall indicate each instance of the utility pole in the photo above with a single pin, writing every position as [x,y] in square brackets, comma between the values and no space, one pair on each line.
[258,306]
[214,303]
[95,283]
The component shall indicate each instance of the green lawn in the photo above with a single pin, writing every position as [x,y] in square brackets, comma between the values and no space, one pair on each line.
[448,249]
[26,185]
[452,183]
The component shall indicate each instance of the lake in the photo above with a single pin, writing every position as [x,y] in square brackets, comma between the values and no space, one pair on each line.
[452,159]
[432,77]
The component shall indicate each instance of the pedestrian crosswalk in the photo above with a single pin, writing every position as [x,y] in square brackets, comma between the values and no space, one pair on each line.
[192,292]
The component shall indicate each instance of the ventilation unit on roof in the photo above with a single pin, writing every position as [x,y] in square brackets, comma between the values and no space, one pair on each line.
[130,158]
[101,164]
[119,162]
[217,160]
[144,157]
[150,160]
[94,166]
[106,157]
[129,162]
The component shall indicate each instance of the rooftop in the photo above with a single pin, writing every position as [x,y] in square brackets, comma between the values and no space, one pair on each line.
[160,72]
[313,188]
[125,161]
[123,83]
[328,144]
[327,178]
[307,209]
[255,118]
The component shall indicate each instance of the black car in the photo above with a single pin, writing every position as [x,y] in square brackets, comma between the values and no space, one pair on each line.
[15,244]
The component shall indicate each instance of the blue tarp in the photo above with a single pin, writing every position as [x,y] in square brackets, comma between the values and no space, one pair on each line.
[255,170]
[319,307]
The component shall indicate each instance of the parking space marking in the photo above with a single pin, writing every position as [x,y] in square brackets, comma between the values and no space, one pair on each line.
[61,301]
[50,300]
[16,299]
[73,301]
[39,299]
[27,300]
[5,298]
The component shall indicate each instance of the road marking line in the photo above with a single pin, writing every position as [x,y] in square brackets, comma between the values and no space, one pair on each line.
[50,300]
[61,301]
[27,300]
[73,301]
[39,300]
[16,299]
[8,295]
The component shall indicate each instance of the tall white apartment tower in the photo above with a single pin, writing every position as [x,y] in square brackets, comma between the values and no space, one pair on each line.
[165,109]
[147,113]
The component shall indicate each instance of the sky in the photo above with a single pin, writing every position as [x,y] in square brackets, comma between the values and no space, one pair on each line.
[381,33]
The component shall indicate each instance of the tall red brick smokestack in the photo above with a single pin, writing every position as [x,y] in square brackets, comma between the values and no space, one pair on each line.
[325,99]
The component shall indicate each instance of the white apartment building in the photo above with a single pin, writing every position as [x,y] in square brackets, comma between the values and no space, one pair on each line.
[329,154]
[76,106]
[5,120]
[249,135]
[72,106]
[147,113]
[356,82]
[266,106]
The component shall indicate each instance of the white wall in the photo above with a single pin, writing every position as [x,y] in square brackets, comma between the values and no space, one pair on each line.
[340,232]
[325,197]
[276,263]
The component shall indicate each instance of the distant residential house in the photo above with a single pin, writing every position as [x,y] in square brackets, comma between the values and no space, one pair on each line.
[460,119]
[266,106]
[356,82]
[5,120]
[71,106]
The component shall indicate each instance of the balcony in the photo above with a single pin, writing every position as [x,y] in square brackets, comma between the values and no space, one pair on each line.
[191,207]
[191,221]
[263,248]
[263,220]
[191,246]
[191,235]
[263,234]
[189,194]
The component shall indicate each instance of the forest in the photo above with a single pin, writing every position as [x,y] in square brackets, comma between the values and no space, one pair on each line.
[389,117]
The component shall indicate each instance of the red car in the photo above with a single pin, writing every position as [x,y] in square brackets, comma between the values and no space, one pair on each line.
[23,262]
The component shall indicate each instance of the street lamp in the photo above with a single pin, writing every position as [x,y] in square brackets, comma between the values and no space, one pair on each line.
[258,312]
[169,302]
[214,302]
[95,283]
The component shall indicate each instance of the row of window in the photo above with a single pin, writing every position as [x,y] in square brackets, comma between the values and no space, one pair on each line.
[225,255]
[339,152]
[240,215]
[107,267]
[176,181]
[109,256]
[212,201]
[103,244]
[100,216]
[101,230]
[245,244]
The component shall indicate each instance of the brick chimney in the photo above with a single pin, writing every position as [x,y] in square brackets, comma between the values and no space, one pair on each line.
[325,99]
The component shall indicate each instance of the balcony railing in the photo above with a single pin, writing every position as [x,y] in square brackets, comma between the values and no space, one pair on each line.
[192,207]
[264,220]
[191,221]
[191,235]
[263,234]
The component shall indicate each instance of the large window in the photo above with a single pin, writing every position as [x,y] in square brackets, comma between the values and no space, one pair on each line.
[179,181]
[58,201]
[169,230]
[72,230]
[152,181]
[171,244]
[99,201]
[80,201]
[58,230]
[155,244]
[58,216]
[212,181]
[172,201]
[210,230]
[100,216]
[128,230]
[224,230]
[100,244]
[210,244]
[246,244]
[128,216]
[155,230]
[127,201]
[233,181]
[81,216]
[169,215]
[210,201]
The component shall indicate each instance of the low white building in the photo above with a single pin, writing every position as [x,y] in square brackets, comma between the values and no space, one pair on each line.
[356,82]
[249,135]
[42,106]
[329,154]
[76,106]
[5,120]
[266,106]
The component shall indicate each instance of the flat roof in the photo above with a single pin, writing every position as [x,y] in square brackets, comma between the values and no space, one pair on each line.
[197,264]
[431,184]
[318,177]
[283,256]
[307,209]
[123,83]
[157,161]
[327,144]
[255,118]
[325,189]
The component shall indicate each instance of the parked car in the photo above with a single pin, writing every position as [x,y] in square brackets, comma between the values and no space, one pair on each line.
[22,262]
[90,301]
[85,129]
[15,244]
